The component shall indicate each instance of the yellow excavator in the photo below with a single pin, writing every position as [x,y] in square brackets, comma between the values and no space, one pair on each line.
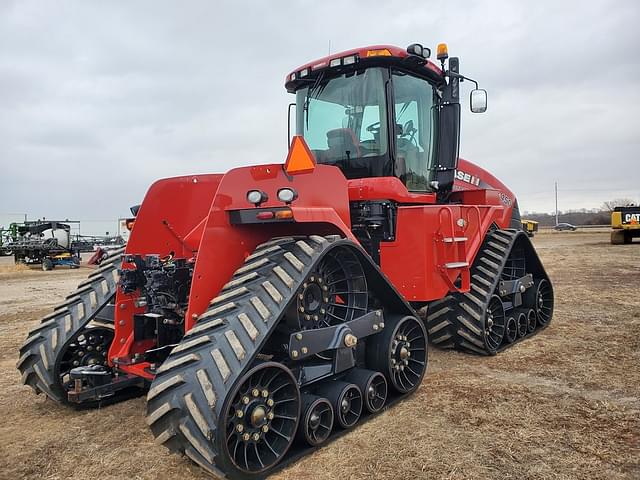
[625,224]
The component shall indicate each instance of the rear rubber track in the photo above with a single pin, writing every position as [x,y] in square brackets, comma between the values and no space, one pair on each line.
[187,396]
[458,320]
[41,350]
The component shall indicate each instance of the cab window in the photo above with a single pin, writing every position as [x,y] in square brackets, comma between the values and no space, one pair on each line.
[414,130]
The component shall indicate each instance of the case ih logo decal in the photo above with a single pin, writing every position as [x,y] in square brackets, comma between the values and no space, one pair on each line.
[465,177]
[477,182]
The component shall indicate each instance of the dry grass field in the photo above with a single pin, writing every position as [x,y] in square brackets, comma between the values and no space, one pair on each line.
[562,405]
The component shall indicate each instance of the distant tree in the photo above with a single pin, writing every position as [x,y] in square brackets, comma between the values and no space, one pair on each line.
[618,202]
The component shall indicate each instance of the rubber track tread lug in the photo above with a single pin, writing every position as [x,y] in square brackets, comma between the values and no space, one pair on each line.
[43,345]
[457,320]
[213,367]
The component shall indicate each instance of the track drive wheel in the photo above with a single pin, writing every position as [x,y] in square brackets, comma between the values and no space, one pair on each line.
[260,418]
[400,353]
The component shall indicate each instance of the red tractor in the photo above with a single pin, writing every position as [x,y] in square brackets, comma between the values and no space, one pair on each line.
[271,308]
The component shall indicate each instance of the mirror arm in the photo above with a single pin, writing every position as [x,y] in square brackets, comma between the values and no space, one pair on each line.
[449,73]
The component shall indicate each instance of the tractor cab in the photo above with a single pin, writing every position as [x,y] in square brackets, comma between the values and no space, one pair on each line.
[382,112]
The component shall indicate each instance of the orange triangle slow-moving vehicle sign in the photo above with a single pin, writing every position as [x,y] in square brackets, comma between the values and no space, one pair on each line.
[300,159]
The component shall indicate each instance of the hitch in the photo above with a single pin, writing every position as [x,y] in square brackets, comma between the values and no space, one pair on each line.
[95,382]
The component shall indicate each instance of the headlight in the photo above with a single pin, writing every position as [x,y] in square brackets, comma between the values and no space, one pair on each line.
[287,195]
[256,197]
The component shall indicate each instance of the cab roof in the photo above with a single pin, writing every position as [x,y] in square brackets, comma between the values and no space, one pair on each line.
[371,55]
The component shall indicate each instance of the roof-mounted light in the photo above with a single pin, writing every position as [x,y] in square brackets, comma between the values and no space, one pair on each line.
[336,62]
[443,52]
[419,50]
[304,72]
[380,52]
[350,60]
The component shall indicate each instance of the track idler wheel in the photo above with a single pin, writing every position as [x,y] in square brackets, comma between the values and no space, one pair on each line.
[495,324]
[400,353]
[539,297]
[511,332]
[544,302]
[261,418]
[317,420]
[346,399]
[522,322]
[373,386]
[531,320]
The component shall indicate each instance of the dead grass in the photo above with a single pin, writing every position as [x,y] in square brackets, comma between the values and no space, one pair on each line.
[563,405]
[15,268]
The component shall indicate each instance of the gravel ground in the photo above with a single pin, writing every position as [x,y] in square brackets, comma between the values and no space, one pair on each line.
[564,404]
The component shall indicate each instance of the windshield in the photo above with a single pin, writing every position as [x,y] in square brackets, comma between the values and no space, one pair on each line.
[343,120]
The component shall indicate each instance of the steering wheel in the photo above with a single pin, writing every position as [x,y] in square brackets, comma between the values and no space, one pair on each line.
[374,128]
[410,130]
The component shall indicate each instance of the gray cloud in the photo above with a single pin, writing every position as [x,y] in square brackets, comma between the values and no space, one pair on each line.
[99,99]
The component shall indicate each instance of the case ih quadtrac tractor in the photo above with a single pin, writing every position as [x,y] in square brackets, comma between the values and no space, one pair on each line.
[273,307]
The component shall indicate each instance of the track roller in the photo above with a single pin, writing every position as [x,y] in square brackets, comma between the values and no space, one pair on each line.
[316,421]
[531,320]
[522,322]
[400,353]
[511,332]
[373,386]
[346,399]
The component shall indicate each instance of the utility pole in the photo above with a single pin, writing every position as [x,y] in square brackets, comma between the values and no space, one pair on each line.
[556,185]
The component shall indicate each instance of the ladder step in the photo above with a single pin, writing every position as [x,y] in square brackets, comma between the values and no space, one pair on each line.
[454,239]
[456,265]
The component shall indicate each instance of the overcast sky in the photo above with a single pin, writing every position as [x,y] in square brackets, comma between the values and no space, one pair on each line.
[99,99]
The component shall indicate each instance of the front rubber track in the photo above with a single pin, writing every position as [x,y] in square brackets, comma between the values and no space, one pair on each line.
[458,320]
[188,394]
[41,351]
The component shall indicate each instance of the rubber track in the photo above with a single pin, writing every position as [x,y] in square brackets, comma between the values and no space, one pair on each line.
[40,351]
[188,393]
[457,320]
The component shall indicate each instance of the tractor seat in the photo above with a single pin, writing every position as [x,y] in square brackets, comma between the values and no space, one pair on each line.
[341,141]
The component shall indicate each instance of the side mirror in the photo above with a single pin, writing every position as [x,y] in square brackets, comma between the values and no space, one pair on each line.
[478,100]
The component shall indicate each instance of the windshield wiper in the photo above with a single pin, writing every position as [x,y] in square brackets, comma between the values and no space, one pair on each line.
[310,92]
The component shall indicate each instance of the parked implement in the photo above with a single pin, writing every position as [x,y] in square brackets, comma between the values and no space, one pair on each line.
[44,242]
[625,224]
[274,307]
